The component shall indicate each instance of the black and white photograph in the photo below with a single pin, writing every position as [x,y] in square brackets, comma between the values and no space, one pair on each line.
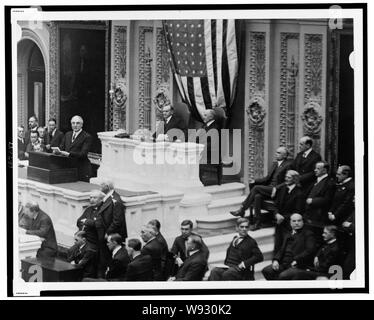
[209,149]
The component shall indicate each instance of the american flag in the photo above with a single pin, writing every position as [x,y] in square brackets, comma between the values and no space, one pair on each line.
[204,60]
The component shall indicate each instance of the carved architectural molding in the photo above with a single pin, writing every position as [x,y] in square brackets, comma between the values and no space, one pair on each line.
[144,79]
[313,87]
[162,59]
[288,89]
[256,110]
[53,71]
[117,117]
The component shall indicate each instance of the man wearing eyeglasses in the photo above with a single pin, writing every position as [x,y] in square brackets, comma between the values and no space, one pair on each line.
[242,254]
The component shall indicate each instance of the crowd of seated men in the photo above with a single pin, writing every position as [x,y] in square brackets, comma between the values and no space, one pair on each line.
[314,228]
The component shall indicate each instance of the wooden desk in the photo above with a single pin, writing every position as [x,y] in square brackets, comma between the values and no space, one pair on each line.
[52,270]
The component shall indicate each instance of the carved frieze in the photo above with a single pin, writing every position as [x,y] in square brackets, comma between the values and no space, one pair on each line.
[53,71]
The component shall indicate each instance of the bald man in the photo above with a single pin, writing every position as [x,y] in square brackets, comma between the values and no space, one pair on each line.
[76,144]
[265,188]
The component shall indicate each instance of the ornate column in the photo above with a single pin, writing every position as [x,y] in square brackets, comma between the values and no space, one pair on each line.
[257,106]
[53,71]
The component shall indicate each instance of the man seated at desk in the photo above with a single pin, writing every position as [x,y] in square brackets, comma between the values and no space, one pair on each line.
[41,225]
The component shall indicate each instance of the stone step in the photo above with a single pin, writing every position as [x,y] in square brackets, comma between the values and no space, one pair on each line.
[221,242]
[226,190]
[225,205]
[218,257]
[218,221]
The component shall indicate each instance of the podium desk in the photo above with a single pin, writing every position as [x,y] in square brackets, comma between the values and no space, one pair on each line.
[50,168]
[52,270]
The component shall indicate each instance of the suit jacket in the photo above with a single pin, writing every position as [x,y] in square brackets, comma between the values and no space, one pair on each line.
[140,269]
[175,122]
[179,247]
[42,226]
[112,218]
[21,149]
[193,268]
[165,249]
[303,248]
[342,202]
[78,150]
[212,145]
[118,265]
[92,225]
[53,141]
[305,167]
[321,194]
[249,252]
[288,203]
[279,173]
[328,255]
[86,258]
[153,248]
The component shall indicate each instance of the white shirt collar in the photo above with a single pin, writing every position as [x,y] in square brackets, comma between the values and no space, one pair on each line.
[322,177]
[331,241]
[192,252]
[77,133]
[346,180]
[209,122]
[291,187]
[137,253]
[279,162]
[306,153]
[115,250]
[168,119]
[151,239]
[82,246]
[53,132]
[109,194]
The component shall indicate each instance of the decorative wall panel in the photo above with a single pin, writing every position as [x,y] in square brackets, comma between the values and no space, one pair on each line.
[53,71]
[289,66]
[312,112]
[256,110]
[145,76]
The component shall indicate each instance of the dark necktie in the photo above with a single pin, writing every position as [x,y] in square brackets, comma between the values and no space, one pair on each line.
[74,136]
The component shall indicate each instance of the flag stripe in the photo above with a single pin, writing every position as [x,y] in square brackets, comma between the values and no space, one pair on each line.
[214,56]
[232,56]
[199,100]
[180,87]
[191,93]
[209,61]
[220,96]
[206,92]
[185,86]
[225,68]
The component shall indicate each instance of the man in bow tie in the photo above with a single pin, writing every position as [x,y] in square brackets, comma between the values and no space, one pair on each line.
[342,202]
[241,256]
[297,251]
[76,144]
[304,163]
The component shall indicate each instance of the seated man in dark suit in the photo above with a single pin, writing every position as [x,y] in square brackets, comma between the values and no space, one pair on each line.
[195,266]
[165,249]
[153,248]
[342,202]
[318,200]
[116,271]
[327,256]
[34,144]
[289,199]
[140,268]
[41,225]
[21,144]
[173,126]
[53,137]
[83,254]
[297,251]
[179,248]
[305,162]
[265,188]
[349,245]
[76,144]
[241,256]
